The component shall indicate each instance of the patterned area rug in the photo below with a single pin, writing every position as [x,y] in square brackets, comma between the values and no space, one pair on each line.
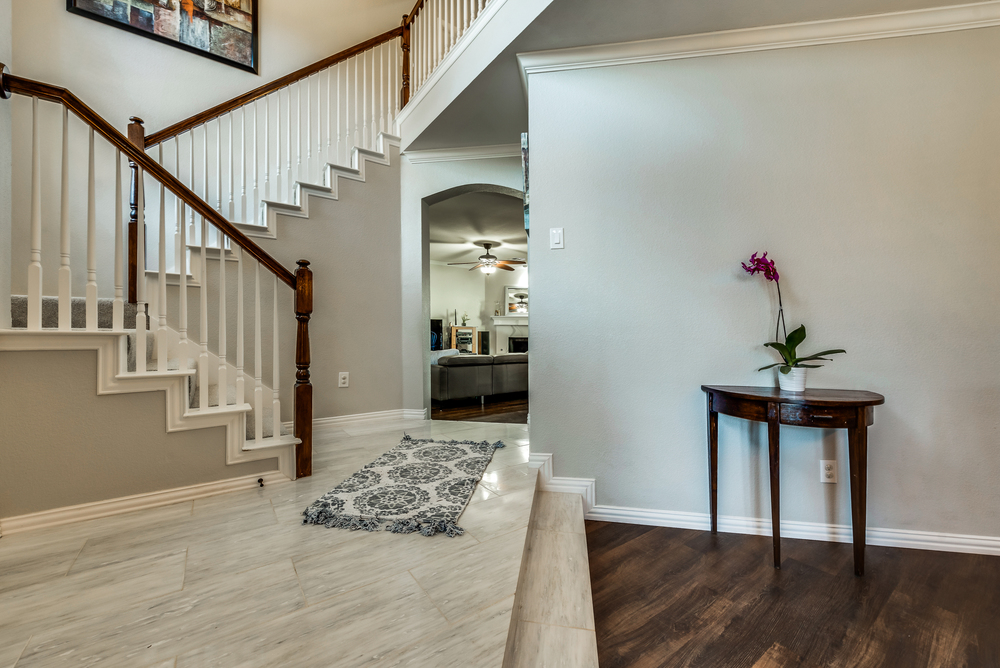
[419,485]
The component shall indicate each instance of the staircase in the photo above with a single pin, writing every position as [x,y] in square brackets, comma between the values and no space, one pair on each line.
[197,310]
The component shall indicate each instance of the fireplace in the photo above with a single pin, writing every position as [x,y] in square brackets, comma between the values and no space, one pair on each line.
[517,344]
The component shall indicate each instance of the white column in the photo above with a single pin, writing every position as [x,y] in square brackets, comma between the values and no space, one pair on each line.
[118,308]
[91,239]
[161,281]
[240,386]
[65,271]
[141,316]
[275,399]
[258,386]
[203,323]
[223,380]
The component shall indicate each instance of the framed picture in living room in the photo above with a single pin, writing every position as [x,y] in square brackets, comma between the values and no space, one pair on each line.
[223,30]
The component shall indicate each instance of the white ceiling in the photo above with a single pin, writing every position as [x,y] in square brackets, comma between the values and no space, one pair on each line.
[458,222]
[493,110]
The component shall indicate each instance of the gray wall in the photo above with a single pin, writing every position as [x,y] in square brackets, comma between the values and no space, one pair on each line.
[63,445]
[354,247]
[869,172]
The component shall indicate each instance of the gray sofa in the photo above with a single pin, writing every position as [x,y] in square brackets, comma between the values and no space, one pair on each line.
[465,376]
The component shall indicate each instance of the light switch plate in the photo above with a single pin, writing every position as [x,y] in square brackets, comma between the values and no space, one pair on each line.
[556,238]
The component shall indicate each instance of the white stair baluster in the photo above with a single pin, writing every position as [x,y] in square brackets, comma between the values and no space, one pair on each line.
[258,387]
[372,120]
[356,107]
[218,163]
[178,219]
[240,385]
[243,164]
[204,176]
[203,323]
[383,83]
[275,399]
[329,119]
[337,126]
[307,174]
[298,132]
[277,145]
[118,307]
[65,271]
[267,148]
[161,280]
[223,378]
[183,351]
[141,321]
[396,85]
[91,294]
[232,168]
[288,147]
[347,113]
[254,168]
[364,99]
[192,231]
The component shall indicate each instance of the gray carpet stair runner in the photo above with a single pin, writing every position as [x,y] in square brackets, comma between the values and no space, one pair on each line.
[78,319]
[50,320]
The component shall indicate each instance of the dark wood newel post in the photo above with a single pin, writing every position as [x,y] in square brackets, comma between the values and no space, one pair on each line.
[405,93]
[303,388]
[137,136]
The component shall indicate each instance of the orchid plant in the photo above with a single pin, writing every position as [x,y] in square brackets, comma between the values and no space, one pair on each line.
[788,349]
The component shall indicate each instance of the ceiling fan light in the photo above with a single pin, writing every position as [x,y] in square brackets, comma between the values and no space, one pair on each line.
[489,268]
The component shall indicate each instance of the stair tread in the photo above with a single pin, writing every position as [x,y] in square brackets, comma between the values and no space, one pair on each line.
[267,410]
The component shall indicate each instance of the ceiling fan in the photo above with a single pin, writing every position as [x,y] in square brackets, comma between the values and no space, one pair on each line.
[488,262]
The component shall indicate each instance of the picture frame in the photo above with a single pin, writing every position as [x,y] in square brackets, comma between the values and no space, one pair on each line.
[226,31]
[516,301]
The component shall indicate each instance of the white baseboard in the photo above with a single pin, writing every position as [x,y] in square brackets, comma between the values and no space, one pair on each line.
[835,533]
[128,504]
[369,419]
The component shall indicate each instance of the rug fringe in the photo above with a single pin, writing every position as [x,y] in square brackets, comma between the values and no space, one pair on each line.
[355,523]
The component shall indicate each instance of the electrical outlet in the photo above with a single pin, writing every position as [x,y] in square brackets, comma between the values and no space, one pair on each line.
[828,470]
[343,378]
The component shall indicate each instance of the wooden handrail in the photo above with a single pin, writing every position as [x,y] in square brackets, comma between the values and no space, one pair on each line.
[267,89]
[43,91]
[408,18]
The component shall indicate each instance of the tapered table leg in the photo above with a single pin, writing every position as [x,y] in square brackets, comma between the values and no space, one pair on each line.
[858,447]
[713,464]
[773,451]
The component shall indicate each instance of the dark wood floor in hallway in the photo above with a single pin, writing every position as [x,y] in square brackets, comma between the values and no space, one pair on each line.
[511,408]
[674,597]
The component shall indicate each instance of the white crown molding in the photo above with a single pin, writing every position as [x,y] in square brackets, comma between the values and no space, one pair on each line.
[835,533]
[786,36]
[128,504]
[464,153]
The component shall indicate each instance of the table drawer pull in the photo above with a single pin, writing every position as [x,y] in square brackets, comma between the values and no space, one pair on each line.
[823,417]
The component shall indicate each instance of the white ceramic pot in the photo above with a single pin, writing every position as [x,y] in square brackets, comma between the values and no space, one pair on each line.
[793,381]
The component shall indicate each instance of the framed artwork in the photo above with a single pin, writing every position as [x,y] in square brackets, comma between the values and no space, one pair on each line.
[223,30]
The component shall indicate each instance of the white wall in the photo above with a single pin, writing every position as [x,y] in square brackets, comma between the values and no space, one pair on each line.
[457,288]
[868,171]
[418,183]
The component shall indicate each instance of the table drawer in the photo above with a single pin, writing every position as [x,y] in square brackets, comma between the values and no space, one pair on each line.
[818,416]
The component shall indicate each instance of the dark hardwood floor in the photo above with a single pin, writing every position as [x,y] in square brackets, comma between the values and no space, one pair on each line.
[511,408]
[674,597]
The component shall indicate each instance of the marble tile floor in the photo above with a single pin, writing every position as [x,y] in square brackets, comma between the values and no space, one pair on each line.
[237,580]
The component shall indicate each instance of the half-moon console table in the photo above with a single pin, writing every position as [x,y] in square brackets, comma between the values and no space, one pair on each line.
[827,409]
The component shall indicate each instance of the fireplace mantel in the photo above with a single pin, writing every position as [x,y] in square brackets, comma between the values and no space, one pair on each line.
[510,320]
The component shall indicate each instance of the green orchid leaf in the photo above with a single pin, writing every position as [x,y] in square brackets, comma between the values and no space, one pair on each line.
[785,369]
[770,366]
[817,356]
[796,337]
[782,350]
[808,366]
